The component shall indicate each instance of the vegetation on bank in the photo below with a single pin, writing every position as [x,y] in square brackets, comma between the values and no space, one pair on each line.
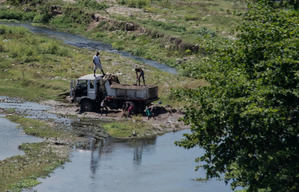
[40,159]
[39,128]
[22,171]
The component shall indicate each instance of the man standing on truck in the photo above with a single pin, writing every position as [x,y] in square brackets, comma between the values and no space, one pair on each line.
[138,76]
[97,63]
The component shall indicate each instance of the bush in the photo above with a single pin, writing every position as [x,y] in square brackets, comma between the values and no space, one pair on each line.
[92,4]
[134,3]
[1,47]
[10,14]
[40,18]
[191,17]
[28,16]
[203,31]
[18,2]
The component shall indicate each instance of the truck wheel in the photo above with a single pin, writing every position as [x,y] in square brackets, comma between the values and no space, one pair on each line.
[86,105]
[139,107]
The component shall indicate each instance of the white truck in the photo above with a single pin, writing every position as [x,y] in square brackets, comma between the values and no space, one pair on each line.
[89,91]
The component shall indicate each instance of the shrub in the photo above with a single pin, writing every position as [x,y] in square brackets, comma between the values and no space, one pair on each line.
[134,3]
[18,2]
[28,16]
[40,18]
[1,47]
[92,4]
[203,31]
[191,17]
[10,14]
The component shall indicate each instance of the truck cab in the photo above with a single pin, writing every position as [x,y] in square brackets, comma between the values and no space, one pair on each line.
[88,90]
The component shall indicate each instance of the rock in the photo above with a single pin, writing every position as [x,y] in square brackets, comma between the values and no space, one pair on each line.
[129,27]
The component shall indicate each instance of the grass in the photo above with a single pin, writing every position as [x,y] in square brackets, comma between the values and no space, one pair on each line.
[126,129]
[40,159]
[38,128]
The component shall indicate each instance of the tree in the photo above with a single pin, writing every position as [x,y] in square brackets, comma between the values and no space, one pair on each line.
[247,119]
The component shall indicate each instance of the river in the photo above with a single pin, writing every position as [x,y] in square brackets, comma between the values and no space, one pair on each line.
[82,42]
[11,137]
[111,165]
[149,165]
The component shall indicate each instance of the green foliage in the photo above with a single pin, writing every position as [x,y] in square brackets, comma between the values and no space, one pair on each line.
[203,31]
[41,18]
[124,129]
[247,119]
[40,159]
[93,4]
[25,183]
[10,14]
[166,26]
[37,128]
[18,2]
[134,3]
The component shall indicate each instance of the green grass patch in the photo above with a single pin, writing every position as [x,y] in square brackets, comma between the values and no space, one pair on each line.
[40,159]
[125,129]
[38,128]
[134,3]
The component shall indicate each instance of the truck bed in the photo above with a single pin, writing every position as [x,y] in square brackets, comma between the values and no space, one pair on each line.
[134,92]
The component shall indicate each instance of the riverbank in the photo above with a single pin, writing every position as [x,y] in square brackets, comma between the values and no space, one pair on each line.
[40,159]
[117,125]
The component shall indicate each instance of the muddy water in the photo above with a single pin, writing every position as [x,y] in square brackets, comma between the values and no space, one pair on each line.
[151,165]
[81,42]
[11,137]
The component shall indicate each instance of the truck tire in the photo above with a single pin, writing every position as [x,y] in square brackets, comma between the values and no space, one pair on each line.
[86,105]
[139,107]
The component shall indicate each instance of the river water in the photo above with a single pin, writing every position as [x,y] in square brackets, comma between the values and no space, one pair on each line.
[111,165]
[82,42]
[11,137]
[150,165]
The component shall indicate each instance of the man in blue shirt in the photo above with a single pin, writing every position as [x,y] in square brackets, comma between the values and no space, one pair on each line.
[97,63]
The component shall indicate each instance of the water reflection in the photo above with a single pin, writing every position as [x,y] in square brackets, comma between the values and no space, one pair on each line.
[138,154]
[132,166]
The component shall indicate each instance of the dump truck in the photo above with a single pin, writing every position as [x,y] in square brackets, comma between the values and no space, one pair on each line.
[89,91]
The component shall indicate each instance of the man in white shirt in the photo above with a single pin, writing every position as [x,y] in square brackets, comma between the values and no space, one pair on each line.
[97,63]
